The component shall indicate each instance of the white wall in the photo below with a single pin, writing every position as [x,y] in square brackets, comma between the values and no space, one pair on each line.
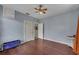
[57,28]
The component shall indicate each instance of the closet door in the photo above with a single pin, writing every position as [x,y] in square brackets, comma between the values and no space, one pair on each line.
[76,41]
[41,30]
[29,33]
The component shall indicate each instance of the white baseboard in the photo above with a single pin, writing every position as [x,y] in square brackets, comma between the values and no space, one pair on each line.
[59,42]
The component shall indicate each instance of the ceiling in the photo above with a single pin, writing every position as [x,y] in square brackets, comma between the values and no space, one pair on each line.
[53,9]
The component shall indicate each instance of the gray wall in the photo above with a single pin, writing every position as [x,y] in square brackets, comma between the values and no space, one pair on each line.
[57,28]
[10,28]
[13,28]
[1,10]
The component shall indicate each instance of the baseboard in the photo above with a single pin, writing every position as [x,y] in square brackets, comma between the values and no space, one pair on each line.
[58,42]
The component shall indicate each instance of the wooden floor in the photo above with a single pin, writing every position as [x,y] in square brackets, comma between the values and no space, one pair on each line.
[40,47]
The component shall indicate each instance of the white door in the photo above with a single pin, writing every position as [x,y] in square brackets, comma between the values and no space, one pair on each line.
[29,31]
[40,30]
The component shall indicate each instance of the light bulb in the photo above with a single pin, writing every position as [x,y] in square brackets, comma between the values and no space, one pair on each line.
[40,13]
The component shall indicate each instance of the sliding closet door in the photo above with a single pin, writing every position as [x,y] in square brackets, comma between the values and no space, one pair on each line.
[76,41]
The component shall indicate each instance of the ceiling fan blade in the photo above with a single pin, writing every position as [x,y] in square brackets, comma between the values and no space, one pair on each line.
[35,8]
[45,9]
[44,12]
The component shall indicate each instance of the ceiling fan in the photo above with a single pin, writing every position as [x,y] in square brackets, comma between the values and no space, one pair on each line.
[40,9]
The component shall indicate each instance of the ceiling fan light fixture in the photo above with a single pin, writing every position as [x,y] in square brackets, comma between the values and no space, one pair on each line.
[40,10]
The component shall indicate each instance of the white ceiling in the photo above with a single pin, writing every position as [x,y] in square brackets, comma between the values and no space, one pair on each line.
[53,9]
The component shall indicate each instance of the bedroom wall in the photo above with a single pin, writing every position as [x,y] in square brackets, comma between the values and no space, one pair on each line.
[1,10]
[13,28]
[57,28]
